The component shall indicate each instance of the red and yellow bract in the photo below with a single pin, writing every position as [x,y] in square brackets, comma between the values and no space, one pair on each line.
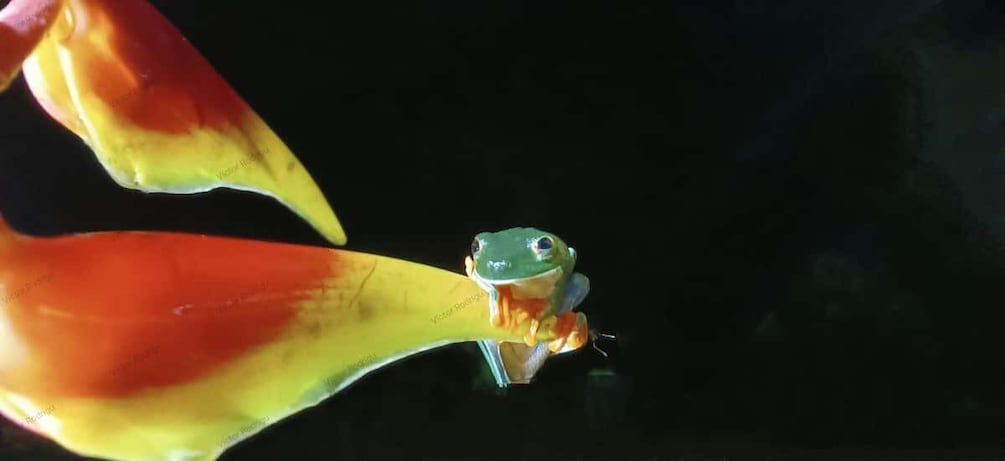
[159,345]
[148,345]
[157,115]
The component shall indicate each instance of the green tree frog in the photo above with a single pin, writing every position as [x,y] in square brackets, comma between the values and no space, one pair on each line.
[528,274]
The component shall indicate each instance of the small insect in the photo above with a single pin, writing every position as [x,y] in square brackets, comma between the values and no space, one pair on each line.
[595,336]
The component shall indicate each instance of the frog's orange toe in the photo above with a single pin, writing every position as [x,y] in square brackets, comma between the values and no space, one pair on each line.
[557,345]
[572,332]
[506,311]
[580,335]
[566,323]
[531,337]
[501,316]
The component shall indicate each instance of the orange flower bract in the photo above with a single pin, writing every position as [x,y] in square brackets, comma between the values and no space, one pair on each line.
[157,115]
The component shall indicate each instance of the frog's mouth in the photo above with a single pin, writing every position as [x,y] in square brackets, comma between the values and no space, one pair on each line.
[533,287]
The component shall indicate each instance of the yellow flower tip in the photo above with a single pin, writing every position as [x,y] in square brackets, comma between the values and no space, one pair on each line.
[157,115]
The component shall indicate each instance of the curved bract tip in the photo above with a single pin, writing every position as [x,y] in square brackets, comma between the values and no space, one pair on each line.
[157,115]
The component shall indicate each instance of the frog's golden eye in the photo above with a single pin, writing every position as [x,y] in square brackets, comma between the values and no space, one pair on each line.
[544,245]
[475,246]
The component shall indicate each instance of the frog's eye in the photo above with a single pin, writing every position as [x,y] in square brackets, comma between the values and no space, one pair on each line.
[544,244]
[475,246]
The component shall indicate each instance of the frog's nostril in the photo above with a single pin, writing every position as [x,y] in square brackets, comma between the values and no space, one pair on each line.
[498,265]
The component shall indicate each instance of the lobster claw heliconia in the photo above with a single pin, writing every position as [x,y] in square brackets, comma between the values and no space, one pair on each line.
[157,115]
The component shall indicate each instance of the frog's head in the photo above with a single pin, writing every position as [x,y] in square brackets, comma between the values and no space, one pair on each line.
[519,254]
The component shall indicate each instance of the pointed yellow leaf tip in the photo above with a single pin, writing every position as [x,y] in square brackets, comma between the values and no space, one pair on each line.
[156,114]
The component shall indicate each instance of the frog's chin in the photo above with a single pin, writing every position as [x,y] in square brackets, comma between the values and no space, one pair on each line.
[533,287]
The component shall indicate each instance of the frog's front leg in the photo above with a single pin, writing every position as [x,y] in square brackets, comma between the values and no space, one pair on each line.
[573,293]
[571,326]
[572,331]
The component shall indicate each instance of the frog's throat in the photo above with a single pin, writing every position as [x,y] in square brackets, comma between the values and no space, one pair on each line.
[533,287]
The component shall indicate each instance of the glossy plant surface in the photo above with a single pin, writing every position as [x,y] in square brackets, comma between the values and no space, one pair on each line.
[150,345]
[157,115]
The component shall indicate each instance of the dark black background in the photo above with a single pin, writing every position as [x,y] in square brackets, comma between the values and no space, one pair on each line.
[791,213]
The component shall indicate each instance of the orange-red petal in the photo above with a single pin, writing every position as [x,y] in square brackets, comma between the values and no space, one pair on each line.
[22,25]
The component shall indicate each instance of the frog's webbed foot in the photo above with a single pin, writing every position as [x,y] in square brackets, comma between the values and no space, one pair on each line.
[514,313]
[572,331]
